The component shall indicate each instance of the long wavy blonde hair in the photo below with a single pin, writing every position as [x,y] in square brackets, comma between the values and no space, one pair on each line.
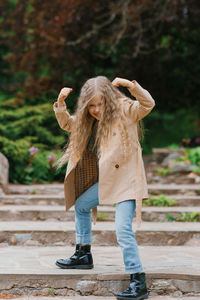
[110,112]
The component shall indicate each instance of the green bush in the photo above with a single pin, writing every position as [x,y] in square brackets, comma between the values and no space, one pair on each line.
[163,129]
[160,200]
[40,170]
[17,154]
[197,170]
[102,216]
[189,217]
[185,217]
[51,292]
[36,124]
[26,168]
[173,146]
[164,171]
[194,156]
[23,126]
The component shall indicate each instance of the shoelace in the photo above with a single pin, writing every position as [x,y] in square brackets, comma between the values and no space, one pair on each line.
[77,254]
[130,290]
[132,287]
[74,256]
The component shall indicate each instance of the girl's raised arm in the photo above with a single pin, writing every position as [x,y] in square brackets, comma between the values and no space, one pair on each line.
[144,104]
[63,117]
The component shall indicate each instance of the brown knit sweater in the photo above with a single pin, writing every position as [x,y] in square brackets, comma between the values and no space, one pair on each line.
[87,171]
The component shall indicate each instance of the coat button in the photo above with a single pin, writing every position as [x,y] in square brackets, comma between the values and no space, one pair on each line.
[116,166]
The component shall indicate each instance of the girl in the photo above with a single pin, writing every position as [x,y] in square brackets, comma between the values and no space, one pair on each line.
[105,166]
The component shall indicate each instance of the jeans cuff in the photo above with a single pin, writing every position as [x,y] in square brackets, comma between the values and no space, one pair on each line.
[84,239]
[134,270]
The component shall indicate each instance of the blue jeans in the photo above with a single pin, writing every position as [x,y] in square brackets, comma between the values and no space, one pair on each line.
[123,222]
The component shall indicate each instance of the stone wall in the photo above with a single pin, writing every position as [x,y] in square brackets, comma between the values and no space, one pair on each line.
[4,169]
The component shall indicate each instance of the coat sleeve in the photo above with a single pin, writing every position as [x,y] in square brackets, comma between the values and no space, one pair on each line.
[64,119]
[143,104]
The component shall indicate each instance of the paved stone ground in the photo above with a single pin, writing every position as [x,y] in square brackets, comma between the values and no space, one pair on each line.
[32,271]
[25,226]
[175,262]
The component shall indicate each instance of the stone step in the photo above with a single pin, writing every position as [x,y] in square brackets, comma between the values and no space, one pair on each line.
[186,200]
[20,199]
[172,271]
[54,189]
[95,297]
[62,233]
[28,297]
[170,213]
[170,189]
[47,189]
[105,213]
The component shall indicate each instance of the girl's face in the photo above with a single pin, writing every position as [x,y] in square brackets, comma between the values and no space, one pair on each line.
[94,107]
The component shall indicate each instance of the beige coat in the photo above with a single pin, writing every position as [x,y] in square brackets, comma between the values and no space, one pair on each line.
[119,179]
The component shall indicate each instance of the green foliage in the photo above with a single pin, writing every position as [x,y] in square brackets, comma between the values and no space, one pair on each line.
[27,170]
[170,218]
[160,200]
[197,170]
[173,146]
[194,156]
[185,217]
[51,292]
[15,151]
[21,127]
[191,156]
[39,171]
[27,121]
[102,216]
[17,154]
[163,129]
[164,171]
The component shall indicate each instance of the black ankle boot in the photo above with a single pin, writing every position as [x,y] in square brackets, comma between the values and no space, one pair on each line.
[137,289]
[81,259]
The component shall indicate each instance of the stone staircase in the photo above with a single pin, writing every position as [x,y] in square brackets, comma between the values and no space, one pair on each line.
[35,230]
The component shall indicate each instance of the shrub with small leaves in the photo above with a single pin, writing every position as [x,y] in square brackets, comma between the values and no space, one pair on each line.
[28,164]
[189,217]
[50,292]
[164,171]
[102,217]
[160,200]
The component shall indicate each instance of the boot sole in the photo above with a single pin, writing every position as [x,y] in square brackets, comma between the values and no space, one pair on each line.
[130,298]
[75,266]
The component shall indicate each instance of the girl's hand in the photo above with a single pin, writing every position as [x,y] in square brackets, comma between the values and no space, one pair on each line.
[123,82]
[63,95]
